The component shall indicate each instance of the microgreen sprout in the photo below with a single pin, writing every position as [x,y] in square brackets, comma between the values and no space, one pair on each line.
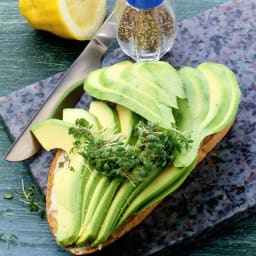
[108,154]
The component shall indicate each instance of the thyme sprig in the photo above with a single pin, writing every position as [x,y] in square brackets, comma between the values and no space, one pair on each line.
[29,199]
[8,239]
[155,147]
[30,196]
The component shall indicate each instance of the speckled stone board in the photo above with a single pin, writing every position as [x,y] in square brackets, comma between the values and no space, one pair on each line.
[222,188]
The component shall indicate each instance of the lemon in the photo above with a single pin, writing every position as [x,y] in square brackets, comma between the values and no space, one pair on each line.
[71,19]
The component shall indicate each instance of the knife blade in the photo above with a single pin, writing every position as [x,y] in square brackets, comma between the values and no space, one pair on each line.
[68,90]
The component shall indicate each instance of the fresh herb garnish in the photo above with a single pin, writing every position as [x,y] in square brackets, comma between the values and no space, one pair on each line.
[8,239]
[108,154]
[30,199]
[9,195]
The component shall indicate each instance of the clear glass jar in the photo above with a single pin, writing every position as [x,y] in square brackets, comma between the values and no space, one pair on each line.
[146,29]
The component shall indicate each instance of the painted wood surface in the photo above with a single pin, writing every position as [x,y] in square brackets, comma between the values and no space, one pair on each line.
[27,56]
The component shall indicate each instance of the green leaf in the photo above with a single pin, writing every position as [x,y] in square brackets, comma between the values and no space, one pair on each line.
[9,195]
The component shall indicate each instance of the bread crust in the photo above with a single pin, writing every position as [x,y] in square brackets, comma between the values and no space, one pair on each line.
[208,144]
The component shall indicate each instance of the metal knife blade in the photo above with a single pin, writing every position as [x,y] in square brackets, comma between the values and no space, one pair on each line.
[26,145]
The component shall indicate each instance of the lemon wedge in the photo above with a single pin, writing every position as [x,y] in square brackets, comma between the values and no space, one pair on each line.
[71,19]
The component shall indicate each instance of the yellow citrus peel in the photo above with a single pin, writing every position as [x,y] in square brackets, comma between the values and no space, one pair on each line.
[71,19]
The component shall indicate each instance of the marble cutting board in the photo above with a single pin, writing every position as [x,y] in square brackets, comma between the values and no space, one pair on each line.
[222,188]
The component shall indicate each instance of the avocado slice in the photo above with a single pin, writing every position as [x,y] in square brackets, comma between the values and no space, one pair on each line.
[225,96]
[68,186]
[68,195]
[213,97]
[113,88]
[54,133]
[135,76]
[91,183]
[164,75]
[106,116]
[174,185]
[108,84]
[143,92]
[91,230]
[124,197]
[128,120]
[192,112]
[91,177]
[219,97]
[162,182]
[72,114]
[197,93]
[99,190]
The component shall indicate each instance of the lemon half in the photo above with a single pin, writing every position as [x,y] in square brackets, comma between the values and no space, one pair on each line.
[71,19]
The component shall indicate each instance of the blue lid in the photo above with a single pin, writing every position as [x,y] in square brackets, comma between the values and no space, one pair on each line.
[145,4]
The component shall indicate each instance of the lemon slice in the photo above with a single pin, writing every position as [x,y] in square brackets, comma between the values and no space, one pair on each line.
[71,19]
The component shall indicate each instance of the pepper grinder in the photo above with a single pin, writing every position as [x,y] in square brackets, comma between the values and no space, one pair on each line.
[146,28]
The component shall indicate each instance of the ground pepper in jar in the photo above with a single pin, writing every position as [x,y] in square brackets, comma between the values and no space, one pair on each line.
[148,30]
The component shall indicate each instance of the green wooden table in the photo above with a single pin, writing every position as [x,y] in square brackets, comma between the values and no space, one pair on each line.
[27,56]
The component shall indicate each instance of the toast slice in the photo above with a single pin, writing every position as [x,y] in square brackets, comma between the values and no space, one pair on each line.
[208,144]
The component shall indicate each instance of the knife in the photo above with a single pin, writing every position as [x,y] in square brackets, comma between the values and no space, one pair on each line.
[68,90]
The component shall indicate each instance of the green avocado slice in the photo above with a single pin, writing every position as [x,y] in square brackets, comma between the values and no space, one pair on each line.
[68,195]
[72,114]
[108,84]
[225,96]
[54,133]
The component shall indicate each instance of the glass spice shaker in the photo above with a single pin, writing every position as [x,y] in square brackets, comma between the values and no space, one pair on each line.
[146,28]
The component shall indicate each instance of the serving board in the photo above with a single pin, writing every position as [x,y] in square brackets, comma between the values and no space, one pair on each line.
[222,188]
